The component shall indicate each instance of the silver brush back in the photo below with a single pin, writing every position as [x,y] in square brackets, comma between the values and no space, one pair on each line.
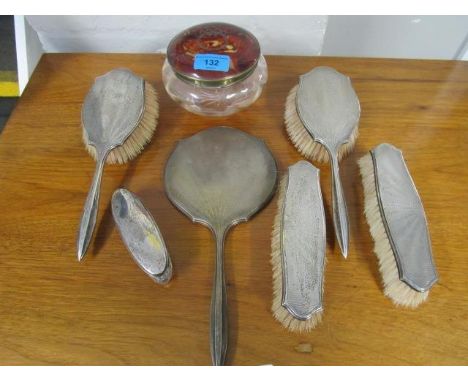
[112,108]
[404,219]
[302,242]
[328,106]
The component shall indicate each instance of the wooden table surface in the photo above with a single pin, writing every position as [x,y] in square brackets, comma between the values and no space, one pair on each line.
[105,310]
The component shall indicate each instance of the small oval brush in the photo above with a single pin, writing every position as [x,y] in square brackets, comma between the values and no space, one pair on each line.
[119,117]
[321,117]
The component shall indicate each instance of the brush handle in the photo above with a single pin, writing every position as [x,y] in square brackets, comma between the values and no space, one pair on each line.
[340,213]
[219,324]
[88,219]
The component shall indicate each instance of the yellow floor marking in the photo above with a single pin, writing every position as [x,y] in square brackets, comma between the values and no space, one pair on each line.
[8,83]
[9,89]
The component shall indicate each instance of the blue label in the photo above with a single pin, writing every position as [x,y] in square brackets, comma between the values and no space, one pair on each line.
[216,62]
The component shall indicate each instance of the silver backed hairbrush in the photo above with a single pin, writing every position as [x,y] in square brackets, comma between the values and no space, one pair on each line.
[298,249]
[119,116]
[322,119]
[398,225]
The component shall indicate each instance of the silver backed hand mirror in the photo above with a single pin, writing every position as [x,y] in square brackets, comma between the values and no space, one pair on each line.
[219,178]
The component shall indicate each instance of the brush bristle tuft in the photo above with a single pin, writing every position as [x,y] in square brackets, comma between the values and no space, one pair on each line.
[139,137]
[398,291]
[279,312]
[301,138]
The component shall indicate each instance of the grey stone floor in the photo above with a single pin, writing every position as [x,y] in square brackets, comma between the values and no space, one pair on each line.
[7,105]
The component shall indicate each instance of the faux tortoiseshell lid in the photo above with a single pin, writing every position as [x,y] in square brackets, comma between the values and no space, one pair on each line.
[240,45]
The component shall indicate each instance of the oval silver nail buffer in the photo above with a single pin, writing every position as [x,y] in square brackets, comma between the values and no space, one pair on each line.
[141,236]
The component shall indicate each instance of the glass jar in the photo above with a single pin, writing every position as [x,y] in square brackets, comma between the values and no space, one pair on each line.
[214,69]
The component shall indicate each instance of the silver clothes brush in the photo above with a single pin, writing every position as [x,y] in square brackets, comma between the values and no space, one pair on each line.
[398,226]
[119,117]
[298,249]
[321,117]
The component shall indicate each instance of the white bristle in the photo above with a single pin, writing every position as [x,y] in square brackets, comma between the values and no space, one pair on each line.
[279,312]
[139,137]
[302,139]
[398,291]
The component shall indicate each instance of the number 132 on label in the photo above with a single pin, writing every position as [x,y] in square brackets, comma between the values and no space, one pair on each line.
[215,62]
